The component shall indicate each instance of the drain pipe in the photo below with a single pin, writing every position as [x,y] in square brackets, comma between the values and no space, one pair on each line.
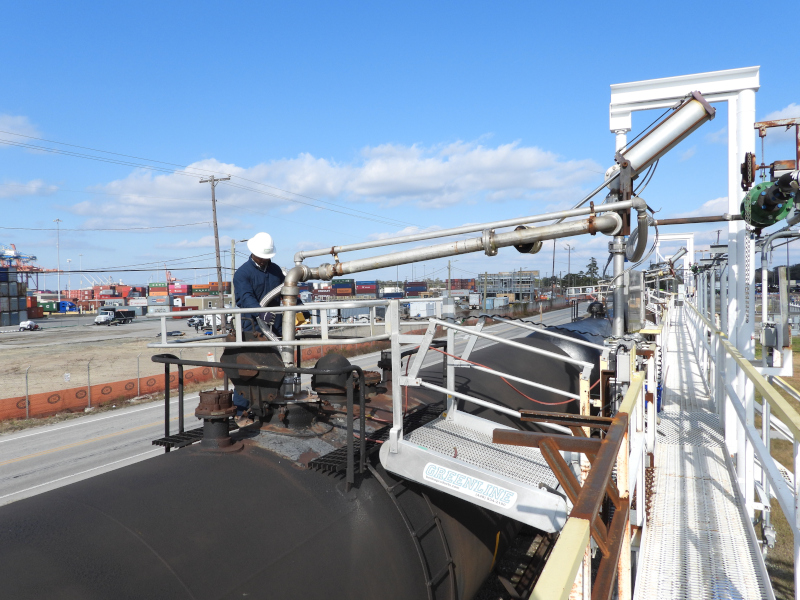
[765,248]
[489,242]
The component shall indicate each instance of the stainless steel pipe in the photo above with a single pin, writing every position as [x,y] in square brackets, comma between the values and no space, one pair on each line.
[561,215]
[489,242]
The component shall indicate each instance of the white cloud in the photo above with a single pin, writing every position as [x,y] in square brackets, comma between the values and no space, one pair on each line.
[412,230]
[688,153]
[789,112]
[18,124]
[207,241]
[35,187]
[386,175]
[780,134]
[717,206]
[718,137]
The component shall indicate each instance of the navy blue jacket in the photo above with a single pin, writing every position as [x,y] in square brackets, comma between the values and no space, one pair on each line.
[251,284]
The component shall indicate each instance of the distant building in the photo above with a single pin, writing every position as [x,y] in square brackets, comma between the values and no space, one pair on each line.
[520,283]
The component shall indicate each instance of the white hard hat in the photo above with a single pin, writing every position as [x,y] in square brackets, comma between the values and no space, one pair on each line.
[261,245]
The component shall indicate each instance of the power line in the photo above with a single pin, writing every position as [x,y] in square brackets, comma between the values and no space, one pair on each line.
[390,223]
[107,229]
[183,170]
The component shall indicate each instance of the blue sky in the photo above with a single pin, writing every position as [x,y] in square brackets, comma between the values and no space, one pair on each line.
[417,115]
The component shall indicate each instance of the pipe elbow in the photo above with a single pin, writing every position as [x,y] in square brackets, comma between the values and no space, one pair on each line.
[289,290]
[639,204]
[617,225]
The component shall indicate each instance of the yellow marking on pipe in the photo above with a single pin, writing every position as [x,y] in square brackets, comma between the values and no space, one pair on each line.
[496,546]
[82,442]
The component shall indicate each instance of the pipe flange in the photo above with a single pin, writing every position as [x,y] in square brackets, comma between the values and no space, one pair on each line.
[488,242]
[616,247]
[215,404]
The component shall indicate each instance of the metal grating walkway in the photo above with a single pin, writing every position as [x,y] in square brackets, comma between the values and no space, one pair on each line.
[526,465]
[696,544]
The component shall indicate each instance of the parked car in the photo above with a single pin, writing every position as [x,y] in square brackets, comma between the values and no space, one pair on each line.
[195,321]
[28,326]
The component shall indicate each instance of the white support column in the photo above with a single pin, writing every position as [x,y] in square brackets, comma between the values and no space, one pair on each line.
[746,142]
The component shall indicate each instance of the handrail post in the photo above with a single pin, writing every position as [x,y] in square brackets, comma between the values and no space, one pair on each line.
[796,517]
[393,325]
[623,484]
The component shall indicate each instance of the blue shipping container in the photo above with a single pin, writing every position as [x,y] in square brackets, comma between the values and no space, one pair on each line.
[366,283]
[392,295]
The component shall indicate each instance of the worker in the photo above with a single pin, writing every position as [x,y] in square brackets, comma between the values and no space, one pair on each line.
[252,281]
[255,279]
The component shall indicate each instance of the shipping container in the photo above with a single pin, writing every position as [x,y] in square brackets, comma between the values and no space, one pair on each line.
[392,295]
[137,301]
[5,304]
[5,319]
[158,284]
[23,315]
[35,313]
[3,289]
[13,304]
[155,310]
[159,300]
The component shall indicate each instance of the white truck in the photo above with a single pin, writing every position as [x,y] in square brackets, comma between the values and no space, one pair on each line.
[114,316]
[474,300]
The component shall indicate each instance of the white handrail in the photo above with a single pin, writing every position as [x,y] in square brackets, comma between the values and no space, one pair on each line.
[721,365]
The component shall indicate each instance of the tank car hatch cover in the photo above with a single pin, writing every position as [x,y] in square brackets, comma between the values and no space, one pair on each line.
[202,526]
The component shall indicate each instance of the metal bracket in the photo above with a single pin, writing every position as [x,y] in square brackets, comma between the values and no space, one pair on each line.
[488,242]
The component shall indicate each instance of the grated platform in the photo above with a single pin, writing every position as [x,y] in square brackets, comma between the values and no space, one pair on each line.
[696,544]
[526,465]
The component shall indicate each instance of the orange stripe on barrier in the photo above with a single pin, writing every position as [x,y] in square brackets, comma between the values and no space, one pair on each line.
[76,399]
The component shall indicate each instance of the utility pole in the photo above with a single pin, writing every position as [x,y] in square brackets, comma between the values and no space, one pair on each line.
[553,278]
[233,270]
[448,277]
[213,181]
[80,264]
[485,280]
[568,248]
[58,256]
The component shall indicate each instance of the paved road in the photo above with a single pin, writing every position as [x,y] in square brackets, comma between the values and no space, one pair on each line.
[44,458]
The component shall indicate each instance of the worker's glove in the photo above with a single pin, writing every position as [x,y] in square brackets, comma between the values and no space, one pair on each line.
[268,318]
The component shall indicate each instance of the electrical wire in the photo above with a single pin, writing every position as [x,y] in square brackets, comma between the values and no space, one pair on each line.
[183,171]
[390,223]
[106,229]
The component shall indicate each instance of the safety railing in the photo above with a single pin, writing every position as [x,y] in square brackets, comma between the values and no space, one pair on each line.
[725,371]
[569,566]
[239,313]
[453,361]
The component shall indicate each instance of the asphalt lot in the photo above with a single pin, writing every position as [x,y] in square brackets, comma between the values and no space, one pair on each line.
[77,329]
[43,458]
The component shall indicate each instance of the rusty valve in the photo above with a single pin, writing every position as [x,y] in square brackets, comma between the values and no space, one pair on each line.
[215,404]
[216,408]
